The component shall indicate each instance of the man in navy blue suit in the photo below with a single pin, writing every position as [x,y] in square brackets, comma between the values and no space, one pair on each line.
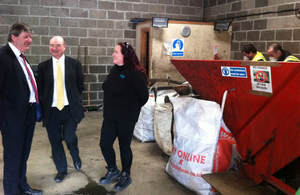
[60,81]
[18,98]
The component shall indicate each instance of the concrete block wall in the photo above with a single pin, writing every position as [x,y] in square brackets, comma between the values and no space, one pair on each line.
[261,30]
[96,24]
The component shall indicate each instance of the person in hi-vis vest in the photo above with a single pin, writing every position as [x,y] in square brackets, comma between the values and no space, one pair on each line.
[276,53]
[251,53]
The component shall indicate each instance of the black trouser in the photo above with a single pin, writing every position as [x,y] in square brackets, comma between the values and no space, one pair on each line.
[61,126]
[110,131]
[16,151]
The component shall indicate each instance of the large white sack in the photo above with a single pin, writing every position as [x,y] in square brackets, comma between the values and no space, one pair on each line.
[197,124]
[144,128]
[162,126]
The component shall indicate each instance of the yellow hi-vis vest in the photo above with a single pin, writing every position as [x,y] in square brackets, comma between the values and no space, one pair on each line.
[259,57]
[291,59]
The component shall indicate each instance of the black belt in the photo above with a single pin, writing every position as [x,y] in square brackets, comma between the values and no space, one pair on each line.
[31,104]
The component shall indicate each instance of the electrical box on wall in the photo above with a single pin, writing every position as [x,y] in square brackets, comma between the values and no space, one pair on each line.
[160,22]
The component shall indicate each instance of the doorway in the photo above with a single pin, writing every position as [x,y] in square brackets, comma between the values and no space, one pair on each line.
[146,50]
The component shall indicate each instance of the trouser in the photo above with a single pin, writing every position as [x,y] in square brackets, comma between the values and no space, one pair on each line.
[110,131]
[61,126]
[16,151]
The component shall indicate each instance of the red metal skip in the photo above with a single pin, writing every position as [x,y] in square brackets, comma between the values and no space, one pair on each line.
[267,129]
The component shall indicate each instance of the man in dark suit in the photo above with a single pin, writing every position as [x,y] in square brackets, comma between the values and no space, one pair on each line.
[60,82]
[18,96]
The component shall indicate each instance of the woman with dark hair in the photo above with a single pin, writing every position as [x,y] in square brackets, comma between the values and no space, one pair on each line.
[125,92]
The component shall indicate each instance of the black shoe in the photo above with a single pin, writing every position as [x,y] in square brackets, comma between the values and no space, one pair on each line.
[60,176]
[110,175]
[124,181]
[33,192]
[77,164]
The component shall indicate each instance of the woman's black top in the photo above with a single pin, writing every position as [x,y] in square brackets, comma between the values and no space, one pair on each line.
[125,92]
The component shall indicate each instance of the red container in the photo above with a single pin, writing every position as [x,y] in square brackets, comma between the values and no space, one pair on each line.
[266,125]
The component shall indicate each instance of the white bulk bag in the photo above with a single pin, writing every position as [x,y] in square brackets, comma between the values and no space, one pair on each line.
[144,129]
[162,126]
[197,124]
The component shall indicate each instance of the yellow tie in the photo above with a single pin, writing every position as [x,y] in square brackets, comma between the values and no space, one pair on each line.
[59,88]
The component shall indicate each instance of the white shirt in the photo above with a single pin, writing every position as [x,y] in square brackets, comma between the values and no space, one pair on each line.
[21,61]
[62,65]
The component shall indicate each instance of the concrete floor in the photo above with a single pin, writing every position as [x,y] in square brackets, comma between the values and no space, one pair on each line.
[147,172]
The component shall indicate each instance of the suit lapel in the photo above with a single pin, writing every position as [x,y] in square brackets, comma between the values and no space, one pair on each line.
[49,71]
[67,70]
[49,75]
[17,65]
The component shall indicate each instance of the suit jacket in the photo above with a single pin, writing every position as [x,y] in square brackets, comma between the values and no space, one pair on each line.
[14,93]
[73,83]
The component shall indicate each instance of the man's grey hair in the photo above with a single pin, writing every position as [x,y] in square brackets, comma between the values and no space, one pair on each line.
[17,28]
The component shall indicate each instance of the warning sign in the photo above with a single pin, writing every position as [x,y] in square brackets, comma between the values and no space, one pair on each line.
[261,78]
